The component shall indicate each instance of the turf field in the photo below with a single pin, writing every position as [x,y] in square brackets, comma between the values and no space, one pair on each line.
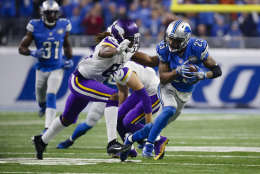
[199,143]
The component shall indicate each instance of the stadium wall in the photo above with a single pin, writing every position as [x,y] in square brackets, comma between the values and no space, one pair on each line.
[238,86]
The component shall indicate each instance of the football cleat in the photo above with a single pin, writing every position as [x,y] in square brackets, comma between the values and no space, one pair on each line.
[128,144]
[39,146]
[148,150]
[159,147]
[65,144]
[115,147]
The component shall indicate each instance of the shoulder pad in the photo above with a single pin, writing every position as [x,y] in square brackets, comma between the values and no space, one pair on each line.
[162,51]
[110,41]
[65,22]
[200,48]
[31,24]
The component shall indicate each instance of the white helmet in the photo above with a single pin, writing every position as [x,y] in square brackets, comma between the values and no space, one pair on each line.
[178,34]
[50,12]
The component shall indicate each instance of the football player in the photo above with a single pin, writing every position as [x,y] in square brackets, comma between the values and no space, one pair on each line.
[50,34]
[86,84]
[177,53]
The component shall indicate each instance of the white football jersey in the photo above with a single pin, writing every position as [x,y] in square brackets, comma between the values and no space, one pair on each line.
[98,68]
[146,75]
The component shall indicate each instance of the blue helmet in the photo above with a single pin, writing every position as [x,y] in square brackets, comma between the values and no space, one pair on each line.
[126,29]
[178,34]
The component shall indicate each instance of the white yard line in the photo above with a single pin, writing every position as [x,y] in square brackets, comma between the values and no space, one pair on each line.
[211,149]
[215,156]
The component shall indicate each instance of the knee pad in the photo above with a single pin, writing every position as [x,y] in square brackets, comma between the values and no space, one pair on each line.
[51,100]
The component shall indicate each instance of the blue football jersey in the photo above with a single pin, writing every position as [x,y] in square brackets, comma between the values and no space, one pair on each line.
[196,47]
[50,40]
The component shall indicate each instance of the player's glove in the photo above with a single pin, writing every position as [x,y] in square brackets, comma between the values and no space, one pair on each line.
[37,53]
[68,63]
[200,74]
[123,46]
[183,71]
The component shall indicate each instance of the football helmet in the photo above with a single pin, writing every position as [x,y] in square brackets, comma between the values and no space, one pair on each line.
[178,34]
[50,12]
[126,29]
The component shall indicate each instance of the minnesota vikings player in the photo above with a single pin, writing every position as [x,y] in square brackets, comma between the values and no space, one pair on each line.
[86,84]
[50,34]
[179,53]
[131,111]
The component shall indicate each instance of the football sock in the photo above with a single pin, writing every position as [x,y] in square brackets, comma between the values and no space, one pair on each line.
[55,127]
[50,110]
[142,133]
[80,130]
[50,115]
[111,122]
[160,122]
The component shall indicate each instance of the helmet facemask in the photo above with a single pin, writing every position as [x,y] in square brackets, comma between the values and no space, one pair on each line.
[134,43]
[50,12]
[178,35]
[126,29]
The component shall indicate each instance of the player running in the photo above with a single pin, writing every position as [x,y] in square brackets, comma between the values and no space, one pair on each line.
[182,62]
[50,35]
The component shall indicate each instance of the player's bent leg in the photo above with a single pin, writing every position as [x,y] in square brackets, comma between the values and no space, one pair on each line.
[159,123]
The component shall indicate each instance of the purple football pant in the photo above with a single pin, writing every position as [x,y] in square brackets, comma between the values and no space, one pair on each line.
[131,112]
[82,92]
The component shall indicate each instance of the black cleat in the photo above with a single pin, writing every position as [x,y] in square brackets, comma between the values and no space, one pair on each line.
[115,147]
[39,146]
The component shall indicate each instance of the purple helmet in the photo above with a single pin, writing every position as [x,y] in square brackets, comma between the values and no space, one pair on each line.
[126,29]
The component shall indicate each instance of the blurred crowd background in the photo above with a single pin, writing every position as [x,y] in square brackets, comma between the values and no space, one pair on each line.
[89,17]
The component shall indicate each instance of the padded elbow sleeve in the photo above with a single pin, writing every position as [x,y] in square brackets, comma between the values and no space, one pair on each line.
[216,71]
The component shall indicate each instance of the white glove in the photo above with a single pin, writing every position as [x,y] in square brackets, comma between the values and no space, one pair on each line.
[123,46]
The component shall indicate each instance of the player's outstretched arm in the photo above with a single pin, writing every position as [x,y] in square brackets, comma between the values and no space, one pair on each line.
[166,75]
[145,59]
[67,46]
[25,43]
[215,70]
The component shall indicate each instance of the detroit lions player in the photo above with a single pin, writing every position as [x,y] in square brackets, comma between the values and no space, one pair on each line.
[50,34]
[86,84]
[177,53]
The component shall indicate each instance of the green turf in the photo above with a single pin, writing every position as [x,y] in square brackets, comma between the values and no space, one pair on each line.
[193,130]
